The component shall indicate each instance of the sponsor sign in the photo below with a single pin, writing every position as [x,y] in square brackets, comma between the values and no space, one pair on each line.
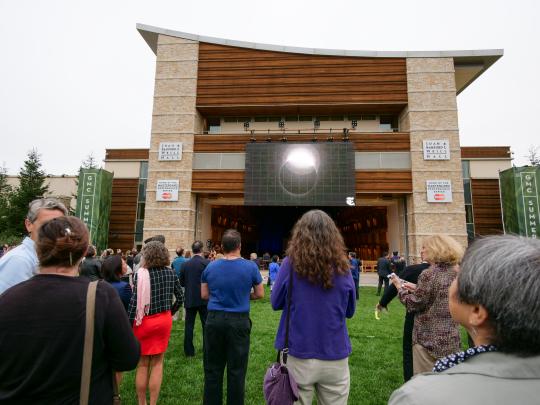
[170,151]
[94,197]
[439,191]
[167,190]
[436,149]
[88,195]
[529,189]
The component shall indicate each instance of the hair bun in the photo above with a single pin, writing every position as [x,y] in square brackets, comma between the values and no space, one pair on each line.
[62,242]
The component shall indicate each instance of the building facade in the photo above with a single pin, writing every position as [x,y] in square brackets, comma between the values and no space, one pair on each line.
[213,97]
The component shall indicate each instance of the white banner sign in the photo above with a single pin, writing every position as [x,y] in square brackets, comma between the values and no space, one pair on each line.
[439,191]
[167,190]
[170,151]
[436,149]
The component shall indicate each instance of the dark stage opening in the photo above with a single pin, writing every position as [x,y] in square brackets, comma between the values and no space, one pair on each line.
[267,229]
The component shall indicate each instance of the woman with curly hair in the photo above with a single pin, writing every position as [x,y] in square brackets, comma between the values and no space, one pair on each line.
[150,310]
[322,296]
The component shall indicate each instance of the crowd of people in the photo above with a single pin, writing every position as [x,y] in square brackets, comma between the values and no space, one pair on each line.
[45,286]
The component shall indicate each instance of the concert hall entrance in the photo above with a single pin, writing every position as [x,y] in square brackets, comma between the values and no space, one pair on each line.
[366,229]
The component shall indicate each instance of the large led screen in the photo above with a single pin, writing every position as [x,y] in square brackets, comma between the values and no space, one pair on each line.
[308,174]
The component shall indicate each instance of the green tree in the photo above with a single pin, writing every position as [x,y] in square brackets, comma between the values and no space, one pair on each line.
[31,186]
[5,195]
[89,163]
[534,155]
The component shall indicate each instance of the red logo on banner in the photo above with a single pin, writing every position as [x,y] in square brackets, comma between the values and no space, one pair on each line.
[439,197]
[166,195]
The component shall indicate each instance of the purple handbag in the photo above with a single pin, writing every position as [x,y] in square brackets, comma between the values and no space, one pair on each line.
[279,385]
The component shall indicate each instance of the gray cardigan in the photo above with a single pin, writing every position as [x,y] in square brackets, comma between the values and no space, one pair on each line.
[488,378]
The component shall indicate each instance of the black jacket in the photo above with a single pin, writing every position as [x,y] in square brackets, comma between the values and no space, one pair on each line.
[383,267]
[190,278]
[410,274]
[91,268]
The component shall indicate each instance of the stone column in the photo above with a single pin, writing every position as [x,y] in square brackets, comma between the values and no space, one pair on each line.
[432,114]
[174,119]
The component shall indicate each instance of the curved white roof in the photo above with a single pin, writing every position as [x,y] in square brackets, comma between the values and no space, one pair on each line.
[471,62]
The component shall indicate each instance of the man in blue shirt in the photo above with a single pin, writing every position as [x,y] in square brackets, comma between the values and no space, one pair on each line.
[21,263]
[227,284]
[178,261]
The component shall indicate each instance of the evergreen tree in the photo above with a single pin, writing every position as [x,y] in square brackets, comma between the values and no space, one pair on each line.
[534,155]
[5,195]
[89,163]
[31,186]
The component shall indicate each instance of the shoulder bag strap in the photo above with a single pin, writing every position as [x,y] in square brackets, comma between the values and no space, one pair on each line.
[285,350]
[88,342]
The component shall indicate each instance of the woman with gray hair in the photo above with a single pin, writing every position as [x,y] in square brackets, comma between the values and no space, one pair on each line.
[495,298]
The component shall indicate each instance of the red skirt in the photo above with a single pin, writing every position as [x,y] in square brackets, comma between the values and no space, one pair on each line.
[153,333]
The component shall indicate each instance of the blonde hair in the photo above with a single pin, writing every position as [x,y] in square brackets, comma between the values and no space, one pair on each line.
[442,249]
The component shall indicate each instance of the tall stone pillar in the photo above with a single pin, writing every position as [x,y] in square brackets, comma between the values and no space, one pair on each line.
[432,114]
[174,119]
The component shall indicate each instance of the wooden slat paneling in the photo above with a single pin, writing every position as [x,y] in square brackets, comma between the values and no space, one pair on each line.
[219,181]
[383,182]
[486,206]
[365,142]
[485,152]
[127,154]
[123,213]
[237,76]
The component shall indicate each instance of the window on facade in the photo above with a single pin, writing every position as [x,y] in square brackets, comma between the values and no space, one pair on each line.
[467,190]
[388,123]
[141,202]
[143,170]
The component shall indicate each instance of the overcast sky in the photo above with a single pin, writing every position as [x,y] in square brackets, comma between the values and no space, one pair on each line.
[77,78]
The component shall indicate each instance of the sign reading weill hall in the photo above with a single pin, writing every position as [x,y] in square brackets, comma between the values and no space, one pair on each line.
[436,149]
[167,190]
[170,151]
[439,191]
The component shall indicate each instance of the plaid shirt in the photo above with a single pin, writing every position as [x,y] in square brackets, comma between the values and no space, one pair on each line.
[434,327]
[164,284]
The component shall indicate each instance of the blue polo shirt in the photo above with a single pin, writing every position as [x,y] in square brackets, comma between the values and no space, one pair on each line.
[230,283]
[18,265]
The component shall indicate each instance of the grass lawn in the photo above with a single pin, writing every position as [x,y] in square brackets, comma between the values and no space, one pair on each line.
[375,363]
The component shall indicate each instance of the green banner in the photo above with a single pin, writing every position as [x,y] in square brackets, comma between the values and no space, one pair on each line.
[94,197]
[520,199]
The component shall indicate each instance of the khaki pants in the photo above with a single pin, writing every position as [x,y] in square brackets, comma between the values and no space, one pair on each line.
[422,361]
[328,379]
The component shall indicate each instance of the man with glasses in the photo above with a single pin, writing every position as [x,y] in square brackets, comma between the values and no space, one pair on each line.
[21,263]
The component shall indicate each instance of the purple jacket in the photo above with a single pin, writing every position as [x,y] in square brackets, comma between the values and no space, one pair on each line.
[317,327]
